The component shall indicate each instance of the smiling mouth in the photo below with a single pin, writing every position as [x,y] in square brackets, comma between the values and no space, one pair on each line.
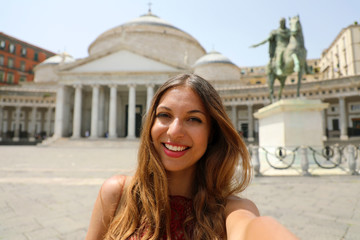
[175,148]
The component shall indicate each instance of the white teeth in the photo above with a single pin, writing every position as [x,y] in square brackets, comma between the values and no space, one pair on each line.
[175,148]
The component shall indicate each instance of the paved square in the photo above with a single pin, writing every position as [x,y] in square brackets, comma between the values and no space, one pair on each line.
[48,193]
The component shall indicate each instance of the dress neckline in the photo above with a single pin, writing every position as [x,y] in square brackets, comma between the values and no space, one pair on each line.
[179,197]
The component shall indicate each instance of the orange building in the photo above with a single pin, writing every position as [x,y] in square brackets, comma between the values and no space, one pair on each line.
[17,60]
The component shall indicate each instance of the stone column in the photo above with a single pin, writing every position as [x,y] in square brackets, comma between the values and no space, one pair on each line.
[59,112]
[77,112]
[112,111]
[149,96]
[343,119]
[32,127]
[1,122]
[250,123]
[16,137]
[48,121]
[324,123]
[234,118]
[101,112]
[94,111]
[131,111]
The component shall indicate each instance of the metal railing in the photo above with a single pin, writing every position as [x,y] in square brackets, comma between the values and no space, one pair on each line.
[344,158]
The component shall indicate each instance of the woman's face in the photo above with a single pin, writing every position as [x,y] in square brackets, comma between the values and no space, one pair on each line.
[181,129]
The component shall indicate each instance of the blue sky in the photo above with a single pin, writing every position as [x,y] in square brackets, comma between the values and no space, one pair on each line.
[227,26]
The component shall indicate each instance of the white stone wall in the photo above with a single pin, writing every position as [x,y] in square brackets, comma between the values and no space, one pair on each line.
[46,73]
[342,58]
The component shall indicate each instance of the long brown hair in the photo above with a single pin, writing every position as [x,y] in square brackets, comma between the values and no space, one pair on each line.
[146,210]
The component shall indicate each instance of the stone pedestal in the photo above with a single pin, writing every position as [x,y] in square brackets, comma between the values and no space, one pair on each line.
[291,123]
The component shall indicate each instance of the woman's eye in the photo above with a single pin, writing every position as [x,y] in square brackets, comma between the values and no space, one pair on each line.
[162,115]
[194,119]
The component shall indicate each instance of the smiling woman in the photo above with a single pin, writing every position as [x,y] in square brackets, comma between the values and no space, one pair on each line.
[186,180]
[180,132]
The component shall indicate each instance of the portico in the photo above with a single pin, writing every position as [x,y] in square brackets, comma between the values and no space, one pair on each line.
[103,110]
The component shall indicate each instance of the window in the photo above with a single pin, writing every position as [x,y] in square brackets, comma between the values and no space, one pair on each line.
[22,66]
[12,48]
[2,75]
[22,79]
[335,123]
[1,60]
[36,56]
[23,51]
[10,62]
[10,77]
[355,107]
[2,44]
[356,123]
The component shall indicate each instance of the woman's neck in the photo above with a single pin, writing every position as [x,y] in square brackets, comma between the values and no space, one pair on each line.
[181,183]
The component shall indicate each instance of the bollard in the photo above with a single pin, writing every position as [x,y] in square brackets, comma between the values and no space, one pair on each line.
[304,161]
[255,160]
[352,160]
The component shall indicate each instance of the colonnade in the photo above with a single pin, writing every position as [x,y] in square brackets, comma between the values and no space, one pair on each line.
[95,109]
[28,123]
[10,122]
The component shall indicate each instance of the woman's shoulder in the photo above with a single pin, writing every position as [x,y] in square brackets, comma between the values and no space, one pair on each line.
[235,203]
[113,188]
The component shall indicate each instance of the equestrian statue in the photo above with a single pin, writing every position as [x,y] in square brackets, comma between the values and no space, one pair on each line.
[287,55]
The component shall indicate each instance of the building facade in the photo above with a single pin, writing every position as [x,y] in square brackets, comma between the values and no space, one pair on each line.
[17,60]
[106,94]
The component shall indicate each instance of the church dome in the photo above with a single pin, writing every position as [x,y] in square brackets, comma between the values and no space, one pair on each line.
[212,57]
[59,58]
[216,67]
[152,37]
[46,71]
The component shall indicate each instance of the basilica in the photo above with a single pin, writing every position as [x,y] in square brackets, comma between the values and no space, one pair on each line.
[105,94]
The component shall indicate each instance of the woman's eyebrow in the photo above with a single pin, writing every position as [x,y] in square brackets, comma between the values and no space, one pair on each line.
[191,111]
[166,108]
[197,111]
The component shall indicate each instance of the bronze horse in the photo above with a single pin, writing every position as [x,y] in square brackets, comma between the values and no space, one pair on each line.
[294,60]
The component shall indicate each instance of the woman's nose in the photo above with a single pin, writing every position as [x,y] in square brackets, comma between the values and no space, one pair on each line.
[176,129]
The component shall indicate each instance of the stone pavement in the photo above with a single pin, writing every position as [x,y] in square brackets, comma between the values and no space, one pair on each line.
[48,193]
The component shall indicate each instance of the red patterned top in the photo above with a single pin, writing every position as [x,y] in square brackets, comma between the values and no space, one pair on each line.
[181,208]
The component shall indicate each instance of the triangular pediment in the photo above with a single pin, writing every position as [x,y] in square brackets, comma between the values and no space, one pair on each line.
[122,61]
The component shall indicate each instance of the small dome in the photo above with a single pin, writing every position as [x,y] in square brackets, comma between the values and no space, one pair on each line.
[59,58]
[47,70]
[212,57]
[216,67]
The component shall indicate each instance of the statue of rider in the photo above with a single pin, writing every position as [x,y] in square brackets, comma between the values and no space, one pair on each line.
[278,40]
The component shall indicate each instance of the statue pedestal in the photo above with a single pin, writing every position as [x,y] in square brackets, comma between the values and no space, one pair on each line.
[291,123]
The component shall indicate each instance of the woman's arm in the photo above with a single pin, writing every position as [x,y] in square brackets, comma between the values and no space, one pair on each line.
[105,207]
[244,223]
